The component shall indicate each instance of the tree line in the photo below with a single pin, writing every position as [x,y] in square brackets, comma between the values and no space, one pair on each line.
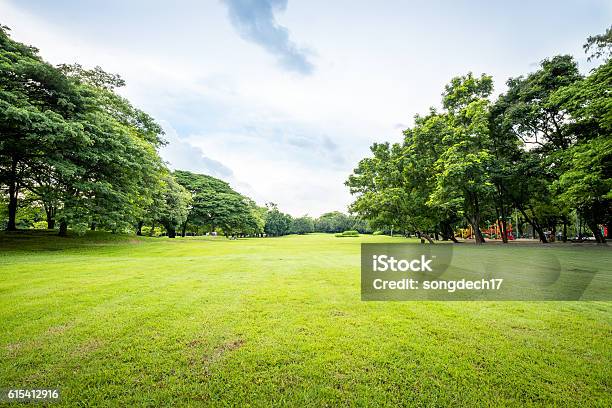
[278,223]
[540,151]
[74,153]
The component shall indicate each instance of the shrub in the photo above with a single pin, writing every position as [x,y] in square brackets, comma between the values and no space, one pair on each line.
[39,225]
[350,233]
[379,233]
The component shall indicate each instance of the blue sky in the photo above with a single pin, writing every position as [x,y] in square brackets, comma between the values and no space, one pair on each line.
[282,98]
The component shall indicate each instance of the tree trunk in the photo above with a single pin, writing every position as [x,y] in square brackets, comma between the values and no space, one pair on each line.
[427,237]
[596,232]
[504,230]
[564,236]
[501,219]
[139,228]
[478,235]
[474,221]
[553,235]
[443,232]
[184,229]
[171,232]
[536,226]
[504,215]
[12,210]
[13,189]
[447,232]
[63,229]
[50,211]
[541,234]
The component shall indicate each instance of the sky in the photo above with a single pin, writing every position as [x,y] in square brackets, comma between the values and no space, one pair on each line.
[283,98]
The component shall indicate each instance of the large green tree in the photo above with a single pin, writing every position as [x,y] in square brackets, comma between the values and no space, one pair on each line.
[38,105]
[277,223]
[216,205]
[463,168]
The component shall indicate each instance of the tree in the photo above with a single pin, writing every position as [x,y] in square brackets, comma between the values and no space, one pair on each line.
[584,171]
[216,205]
[464,166]
[302,225]
[110,184]
[381,198]
[530,128]
[86,153]
[422,149]
[37,104]
[277,223]
[586,182]
[599,45]
[333,222]
[174,205]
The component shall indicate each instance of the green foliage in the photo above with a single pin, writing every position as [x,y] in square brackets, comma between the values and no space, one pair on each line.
[348,234]
[334,221]
[174,206]
[276,222]
[599,45]
[302,225]
[215,205]
[86,153]
[439,173]
[539,150]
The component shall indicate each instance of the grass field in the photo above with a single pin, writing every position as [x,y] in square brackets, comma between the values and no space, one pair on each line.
[122,321]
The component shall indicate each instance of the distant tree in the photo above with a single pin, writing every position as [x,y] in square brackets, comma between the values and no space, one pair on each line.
[174,205]
[216,205]
[361,225]
[302,225]
[334,221]
[277,223]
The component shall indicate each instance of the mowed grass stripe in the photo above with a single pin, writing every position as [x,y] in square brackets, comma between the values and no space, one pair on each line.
[208,321]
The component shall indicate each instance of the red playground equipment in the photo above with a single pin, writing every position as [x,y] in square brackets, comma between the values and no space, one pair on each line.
[494,231]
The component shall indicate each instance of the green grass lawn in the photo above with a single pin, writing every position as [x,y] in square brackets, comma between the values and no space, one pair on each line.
[123,321]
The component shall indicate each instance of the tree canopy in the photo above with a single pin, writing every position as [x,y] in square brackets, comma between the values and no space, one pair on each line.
[541,150]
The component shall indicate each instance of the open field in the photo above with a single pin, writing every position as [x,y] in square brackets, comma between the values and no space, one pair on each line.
[117,320]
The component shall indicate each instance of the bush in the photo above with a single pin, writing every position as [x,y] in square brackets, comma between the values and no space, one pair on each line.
[39,225]
[146,231]
[379,233]
[350,233]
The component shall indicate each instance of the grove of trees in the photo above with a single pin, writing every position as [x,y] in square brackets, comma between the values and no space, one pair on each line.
[75,153]
[540,151]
